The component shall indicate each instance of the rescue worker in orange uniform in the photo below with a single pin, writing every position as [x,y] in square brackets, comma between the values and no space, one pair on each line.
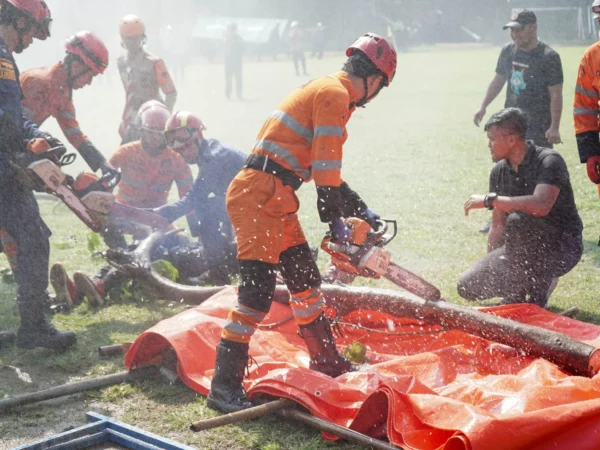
[586,108]
[301,140]
[48,91]
[148,168]
[143,75]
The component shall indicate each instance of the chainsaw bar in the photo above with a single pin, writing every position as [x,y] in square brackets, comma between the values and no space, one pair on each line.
[412,283]
[78,207]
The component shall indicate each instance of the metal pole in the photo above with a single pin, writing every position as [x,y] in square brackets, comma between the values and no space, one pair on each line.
[74,388]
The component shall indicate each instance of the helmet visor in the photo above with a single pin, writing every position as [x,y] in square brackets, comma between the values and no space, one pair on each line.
[178,137]
[43,28]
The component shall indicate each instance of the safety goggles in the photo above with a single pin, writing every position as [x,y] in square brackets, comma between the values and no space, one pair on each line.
[178,137]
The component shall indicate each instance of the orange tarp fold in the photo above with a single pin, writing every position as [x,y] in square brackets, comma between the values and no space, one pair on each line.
[424,387]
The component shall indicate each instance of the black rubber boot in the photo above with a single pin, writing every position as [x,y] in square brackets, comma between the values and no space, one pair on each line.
[226,391]
[36,331]
[324,356]
[7,338]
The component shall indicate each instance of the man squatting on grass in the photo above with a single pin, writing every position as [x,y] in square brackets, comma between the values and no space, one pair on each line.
[536,232]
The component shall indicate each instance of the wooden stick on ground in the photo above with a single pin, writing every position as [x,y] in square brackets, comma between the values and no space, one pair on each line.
[241,416]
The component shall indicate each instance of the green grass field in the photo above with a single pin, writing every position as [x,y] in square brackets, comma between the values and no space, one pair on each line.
[413,154]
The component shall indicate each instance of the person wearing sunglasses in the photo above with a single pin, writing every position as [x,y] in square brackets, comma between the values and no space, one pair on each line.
[48,91]
[144,76]
[22,21]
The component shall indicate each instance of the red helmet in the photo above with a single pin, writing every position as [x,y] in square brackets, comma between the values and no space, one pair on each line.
[90,49]
[378,50]
[38,12]
[181,128]
[153,116]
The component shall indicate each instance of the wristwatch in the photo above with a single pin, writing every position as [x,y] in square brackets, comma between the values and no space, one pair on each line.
[489,200]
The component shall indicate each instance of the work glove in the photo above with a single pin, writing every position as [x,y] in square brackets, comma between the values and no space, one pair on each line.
[372,217]
[51,140]
[107,168]
[339,231]
[593,169]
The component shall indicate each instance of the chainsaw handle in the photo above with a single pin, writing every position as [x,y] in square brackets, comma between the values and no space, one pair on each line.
[383,226]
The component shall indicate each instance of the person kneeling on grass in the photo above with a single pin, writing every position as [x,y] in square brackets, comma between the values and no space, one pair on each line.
[536,232]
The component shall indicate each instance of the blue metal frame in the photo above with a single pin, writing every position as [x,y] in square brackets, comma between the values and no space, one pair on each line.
[102,429]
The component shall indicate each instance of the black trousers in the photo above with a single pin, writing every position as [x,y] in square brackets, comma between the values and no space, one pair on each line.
[522,269]
[20,216]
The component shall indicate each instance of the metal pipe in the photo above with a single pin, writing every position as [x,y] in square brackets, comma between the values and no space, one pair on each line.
[74,388]
[241,416]
[107,351]
[337,430]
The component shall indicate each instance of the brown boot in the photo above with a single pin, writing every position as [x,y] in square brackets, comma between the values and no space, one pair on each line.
[85,286]
[65,289]
[324,356]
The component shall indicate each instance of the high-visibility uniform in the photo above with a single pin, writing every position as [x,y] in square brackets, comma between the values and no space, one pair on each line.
[585,105]
[144,77]
[146,180]
[46,93]
[305,135]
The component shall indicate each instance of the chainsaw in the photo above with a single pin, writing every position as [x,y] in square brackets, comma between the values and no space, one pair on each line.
[98,197]
[40,168]
[365,255]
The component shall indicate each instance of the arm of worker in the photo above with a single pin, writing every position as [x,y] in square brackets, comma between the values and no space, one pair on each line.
[354,206]
[166,84]
[492,92]
[556,106]
[553,74]
[331,107]
[538,204]
[190,202]
[496,233]
[182,174]
[30,129]
[585,115]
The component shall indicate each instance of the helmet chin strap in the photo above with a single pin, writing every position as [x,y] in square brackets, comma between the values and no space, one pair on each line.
[367,98]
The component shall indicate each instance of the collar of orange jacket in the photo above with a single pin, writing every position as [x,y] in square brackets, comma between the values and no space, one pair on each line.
[347,83]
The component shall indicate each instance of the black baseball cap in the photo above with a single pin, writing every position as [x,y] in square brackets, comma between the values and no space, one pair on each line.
[521,18]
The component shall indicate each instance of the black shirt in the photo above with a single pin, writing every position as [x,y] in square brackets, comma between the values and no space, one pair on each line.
[529,74]
[540,166]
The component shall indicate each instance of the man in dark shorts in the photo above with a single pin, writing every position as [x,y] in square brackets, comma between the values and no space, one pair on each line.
[536,232]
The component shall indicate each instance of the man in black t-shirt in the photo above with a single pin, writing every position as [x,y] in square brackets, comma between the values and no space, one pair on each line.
[532,72]
[536,232]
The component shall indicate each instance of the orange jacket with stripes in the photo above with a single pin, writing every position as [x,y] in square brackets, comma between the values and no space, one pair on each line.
[144,77]
[307,131]
[46,93]
[146,180]
[585,105]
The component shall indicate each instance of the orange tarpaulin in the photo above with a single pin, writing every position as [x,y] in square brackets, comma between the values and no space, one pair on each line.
[424,387]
